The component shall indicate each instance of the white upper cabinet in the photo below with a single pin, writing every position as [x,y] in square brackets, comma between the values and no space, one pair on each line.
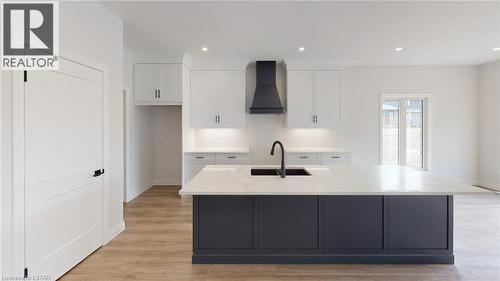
[231,99]
[217,99]
[145,89]
[313,98]
[300,101]
[157,84]
[327,98]
[169,82]
[203,99]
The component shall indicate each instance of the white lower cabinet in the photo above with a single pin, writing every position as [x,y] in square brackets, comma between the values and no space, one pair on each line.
[195,161]
[318,158]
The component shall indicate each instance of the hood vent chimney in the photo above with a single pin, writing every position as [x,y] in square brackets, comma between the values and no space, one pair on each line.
[266,99]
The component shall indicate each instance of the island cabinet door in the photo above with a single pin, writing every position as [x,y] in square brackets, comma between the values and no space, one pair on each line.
[223,223]
[353,223]
[419,222]
[289,223]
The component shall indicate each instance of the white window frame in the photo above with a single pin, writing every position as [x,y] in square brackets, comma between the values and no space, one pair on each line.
[402,98]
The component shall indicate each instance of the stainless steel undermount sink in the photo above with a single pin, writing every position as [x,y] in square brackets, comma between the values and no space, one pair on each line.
[276,172]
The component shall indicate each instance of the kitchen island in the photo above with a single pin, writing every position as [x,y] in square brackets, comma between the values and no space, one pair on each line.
[357,214]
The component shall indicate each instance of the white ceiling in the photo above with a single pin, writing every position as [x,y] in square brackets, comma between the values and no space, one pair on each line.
[346,32]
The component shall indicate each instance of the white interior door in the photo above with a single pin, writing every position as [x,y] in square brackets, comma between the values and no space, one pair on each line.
[327,98]
[203,99]
[300,99]
[63,148]
[169,82]
[145,82]
[231,98]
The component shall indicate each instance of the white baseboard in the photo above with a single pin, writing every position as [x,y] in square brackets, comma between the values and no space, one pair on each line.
[113,232]
[167,182]
[490,185]
[139,191]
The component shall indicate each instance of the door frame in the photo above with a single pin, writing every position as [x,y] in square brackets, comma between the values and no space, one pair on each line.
[426,96]
[18,200]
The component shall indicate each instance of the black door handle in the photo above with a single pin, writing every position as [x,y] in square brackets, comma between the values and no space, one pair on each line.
[98,172]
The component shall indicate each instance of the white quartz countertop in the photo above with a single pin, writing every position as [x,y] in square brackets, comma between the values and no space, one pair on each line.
[325,180]
[242,149]
[315,149]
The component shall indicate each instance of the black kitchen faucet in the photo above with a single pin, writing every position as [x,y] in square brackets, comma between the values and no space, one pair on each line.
[282,174]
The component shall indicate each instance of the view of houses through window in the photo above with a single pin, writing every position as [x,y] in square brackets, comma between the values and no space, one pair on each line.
[403,132]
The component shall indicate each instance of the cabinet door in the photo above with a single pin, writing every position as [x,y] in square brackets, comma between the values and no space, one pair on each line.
[336,159]
[300,99]
[327,98]
[418,222]
[169,82]
[231,159]
[203,99]
[353,223]
[224,223]
[302,158]
[231,98]
[289,223]
[145,82]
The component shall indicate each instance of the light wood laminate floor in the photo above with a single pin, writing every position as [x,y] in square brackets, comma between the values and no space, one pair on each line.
[156,245]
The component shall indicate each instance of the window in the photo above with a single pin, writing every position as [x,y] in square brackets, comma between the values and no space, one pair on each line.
[403,129]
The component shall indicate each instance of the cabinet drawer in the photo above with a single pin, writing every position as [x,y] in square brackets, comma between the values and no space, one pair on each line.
[231,158]
[201,157]
[337,158]
[303,158]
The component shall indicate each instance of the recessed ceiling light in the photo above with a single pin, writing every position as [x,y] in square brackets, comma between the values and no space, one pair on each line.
[301,49]
[204,49]
[496,49]
[398,49]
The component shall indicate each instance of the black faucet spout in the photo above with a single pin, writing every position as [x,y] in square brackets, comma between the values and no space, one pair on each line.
[282,173]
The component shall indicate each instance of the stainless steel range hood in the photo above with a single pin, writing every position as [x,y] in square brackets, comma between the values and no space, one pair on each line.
[266,99]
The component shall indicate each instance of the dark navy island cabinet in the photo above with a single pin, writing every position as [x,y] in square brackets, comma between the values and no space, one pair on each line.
[323,229]
[289,223]
[361,230]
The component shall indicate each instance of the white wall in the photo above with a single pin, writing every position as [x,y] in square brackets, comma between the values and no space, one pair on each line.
[155,139]
[89,30]
[167,145]
[489,139]
[140,166]
[453,125]
[140,147]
